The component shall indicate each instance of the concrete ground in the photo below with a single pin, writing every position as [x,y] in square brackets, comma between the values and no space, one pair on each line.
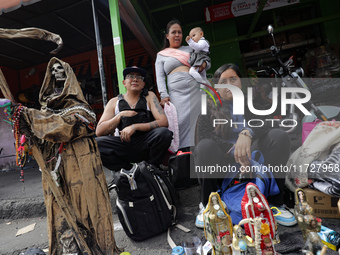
[21,204]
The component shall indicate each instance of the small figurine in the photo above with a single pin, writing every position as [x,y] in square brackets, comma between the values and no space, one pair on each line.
[314,245]
[254,204]
[217,226]
[241,244]
[256,224]
[304,214]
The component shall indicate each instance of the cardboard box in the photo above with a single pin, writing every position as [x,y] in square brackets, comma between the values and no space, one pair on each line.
[325,206]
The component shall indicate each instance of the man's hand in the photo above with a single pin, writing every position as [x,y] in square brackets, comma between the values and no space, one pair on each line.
[126,133]
[129,113]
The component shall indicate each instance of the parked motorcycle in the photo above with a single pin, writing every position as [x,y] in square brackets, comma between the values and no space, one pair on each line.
[287,76]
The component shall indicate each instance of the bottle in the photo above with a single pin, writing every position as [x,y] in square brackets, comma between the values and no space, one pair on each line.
[178,250]
[207,14]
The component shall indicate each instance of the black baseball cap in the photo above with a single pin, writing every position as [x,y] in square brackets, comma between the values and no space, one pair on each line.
[136,69]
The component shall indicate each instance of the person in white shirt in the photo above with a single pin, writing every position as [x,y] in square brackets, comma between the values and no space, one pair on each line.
[199,55]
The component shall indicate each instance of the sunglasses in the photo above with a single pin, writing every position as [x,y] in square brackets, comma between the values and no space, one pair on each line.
[132,77]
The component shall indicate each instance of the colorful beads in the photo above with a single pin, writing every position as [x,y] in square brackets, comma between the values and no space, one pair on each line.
[17,135]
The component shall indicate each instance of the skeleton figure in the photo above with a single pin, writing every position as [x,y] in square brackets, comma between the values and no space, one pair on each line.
[305,215]
[62,138]
[69,243]
[241,244]
[58,72]
[218,226]
[254,204]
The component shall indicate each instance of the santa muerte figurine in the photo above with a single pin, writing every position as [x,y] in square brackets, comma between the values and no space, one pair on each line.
[255,205]
[218,228]
[305,215]
[241,243]
[253,247]
[61,134]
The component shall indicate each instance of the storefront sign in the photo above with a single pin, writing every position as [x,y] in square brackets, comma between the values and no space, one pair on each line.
[238,8]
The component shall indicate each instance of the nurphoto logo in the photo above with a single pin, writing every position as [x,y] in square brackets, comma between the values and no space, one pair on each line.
[239,103]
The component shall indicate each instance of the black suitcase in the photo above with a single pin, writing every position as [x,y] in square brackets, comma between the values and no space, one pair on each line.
[146,201]
[180,166]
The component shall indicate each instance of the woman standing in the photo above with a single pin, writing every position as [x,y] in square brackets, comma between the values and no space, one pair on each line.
[181,88]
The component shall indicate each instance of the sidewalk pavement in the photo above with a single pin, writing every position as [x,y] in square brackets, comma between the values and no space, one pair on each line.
[22,204]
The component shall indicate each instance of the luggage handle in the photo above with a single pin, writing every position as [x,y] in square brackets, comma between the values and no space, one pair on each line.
[171,242]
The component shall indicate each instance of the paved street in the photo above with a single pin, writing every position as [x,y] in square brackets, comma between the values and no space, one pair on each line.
[22,205]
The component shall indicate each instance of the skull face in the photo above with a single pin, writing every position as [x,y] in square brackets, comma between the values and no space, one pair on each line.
[58,72]
[252,192]
[69,243]
[239,232]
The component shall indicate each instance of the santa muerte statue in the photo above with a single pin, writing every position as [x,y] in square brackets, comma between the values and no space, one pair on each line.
[61,134]
[305,215]
[255,205]
[218,227]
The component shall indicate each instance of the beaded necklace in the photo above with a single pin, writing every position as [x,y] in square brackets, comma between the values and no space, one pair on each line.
[8,115]
[19,140]
[16,133]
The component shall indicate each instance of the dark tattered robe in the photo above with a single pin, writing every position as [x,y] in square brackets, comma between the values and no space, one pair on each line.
[66,118]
